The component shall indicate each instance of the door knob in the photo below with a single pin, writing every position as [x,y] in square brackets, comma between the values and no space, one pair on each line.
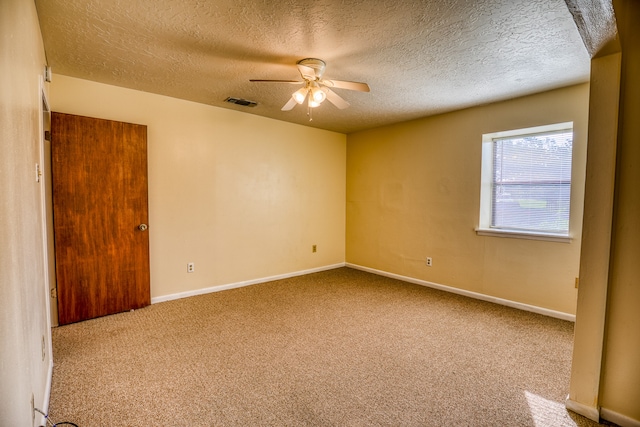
[142,227]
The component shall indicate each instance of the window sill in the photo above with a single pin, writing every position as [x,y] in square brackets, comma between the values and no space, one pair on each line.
[549,237]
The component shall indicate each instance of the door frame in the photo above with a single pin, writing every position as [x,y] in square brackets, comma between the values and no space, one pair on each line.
[46,204]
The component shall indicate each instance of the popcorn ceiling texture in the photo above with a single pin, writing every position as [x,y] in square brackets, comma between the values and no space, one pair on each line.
[596,23]
[420,58]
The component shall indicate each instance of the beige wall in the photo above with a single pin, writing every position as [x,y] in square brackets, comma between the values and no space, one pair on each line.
[596,234]
[605,375]
[413,190]
[620,391]
[241,196]
[24,370]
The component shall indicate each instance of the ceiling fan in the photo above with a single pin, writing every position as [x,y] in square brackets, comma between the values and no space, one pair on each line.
[315,87]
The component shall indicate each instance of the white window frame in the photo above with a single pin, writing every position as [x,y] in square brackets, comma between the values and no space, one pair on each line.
[484,227]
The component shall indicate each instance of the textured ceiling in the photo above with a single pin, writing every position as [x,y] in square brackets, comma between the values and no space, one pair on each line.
[419,57]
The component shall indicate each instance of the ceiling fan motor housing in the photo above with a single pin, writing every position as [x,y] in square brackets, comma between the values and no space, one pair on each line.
[318,65]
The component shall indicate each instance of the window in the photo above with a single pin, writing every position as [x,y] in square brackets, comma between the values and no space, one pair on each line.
[526,182]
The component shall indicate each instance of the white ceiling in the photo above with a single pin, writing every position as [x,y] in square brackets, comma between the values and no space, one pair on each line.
[419,57]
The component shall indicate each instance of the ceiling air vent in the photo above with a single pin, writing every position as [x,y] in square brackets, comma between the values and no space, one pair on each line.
[240,101]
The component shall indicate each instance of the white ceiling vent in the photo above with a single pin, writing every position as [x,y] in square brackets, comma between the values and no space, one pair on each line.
[240,101]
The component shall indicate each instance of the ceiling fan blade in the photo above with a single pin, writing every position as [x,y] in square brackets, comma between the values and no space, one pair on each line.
[362,87]
[289,105]
[335,99]
[276,81]
[307,72]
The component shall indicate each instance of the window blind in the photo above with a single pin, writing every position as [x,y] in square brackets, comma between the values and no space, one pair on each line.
[531,182]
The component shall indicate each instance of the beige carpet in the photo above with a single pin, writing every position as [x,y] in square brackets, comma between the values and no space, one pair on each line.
[336,348]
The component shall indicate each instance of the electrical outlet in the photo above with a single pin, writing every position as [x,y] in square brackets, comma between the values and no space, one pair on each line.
[191,267]
[314,248]
[429,261]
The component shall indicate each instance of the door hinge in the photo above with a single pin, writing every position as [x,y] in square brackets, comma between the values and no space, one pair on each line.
[54,292]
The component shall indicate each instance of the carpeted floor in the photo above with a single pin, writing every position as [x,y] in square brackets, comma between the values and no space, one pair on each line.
[336,348]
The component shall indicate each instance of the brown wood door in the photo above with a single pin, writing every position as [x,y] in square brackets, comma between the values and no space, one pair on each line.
[99,201]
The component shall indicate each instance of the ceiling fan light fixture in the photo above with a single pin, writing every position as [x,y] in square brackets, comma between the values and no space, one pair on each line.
[318,94]
[300,95]
[313,103]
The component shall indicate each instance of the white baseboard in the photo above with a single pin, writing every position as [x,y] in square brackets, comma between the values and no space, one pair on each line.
[621,420]
[225,287]
[591,412]
[476,295]
[595,414]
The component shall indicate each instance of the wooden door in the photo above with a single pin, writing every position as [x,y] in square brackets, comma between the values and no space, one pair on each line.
[99,203]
